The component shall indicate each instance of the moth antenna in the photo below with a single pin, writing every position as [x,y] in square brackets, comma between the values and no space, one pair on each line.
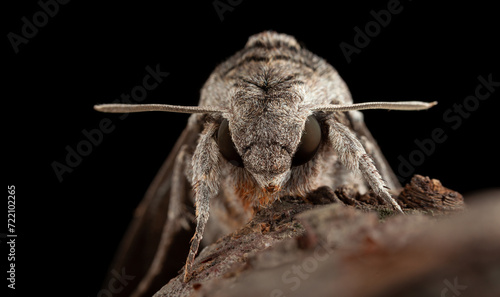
[126,108]
[401,105]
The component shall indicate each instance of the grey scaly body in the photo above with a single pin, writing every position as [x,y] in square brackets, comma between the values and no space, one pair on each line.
[274,120]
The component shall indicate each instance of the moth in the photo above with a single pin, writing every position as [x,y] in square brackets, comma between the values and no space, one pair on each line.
[273,120]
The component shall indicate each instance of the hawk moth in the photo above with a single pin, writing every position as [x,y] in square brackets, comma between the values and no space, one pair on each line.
[273,120]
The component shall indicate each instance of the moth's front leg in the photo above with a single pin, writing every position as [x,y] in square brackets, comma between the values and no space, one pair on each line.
[373,149]
[352,154]
[205,182]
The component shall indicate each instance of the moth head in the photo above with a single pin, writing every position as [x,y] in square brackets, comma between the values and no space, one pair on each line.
[268,146]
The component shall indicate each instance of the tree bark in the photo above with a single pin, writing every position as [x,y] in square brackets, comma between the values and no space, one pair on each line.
[343,243]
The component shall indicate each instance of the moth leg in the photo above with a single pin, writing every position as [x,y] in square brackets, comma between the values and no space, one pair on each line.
[174,222]
[353,155]
[372,148]
[205,182]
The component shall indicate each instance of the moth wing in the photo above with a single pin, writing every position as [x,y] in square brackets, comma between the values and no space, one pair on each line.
[371,146]
[140,242]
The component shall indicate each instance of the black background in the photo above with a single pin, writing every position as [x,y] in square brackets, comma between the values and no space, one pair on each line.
[92,52]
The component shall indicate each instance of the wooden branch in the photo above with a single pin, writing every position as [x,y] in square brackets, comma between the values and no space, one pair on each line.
[335,243]
[429,195]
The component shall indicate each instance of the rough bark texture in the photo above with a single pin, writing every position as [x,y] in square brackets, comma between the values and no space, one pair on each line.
[345,244]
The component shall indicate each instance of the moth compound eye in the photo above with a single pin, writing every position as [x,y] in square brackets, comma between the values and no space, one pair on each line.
[309,142]
[226,145]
